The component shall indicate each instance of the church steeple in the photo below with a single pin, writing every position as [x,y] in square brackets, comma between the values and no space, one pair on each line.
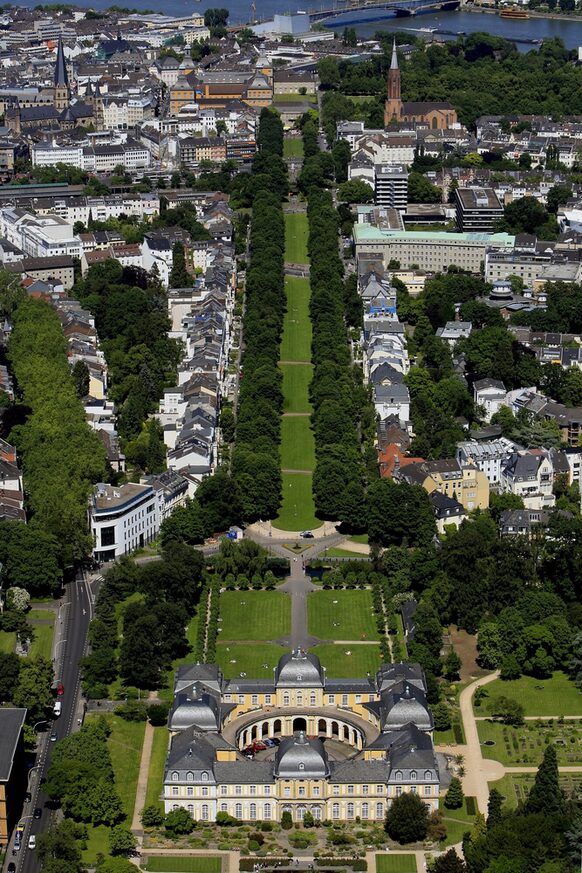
[62,91]
[393,105]
[61,75]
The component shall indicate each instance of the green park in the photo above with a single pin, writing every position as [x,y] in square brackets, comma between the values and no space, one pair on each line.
[297,442]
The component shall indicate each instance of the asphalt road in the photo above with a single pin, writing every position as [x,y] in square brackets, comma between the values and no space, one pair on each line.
[76,613]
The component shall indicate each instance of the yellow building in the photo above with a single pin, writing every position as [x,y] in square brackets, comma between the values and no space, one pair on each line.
[336,748]
[463,482]
[12,769]
[218,87]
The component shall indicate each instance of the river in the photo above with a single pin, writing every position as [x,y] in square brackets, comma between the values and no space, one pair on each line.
[570,30]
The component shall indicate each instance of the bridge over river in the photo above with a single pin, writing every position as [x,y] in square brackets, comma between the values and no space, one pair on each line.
[402,8]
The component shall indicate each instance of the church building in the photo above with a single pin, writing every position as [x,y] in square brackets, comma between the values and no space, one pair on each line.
[438,116]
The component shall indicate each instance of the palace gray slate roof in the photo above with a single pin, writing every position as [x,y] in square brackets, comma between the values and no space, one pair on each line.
[300,758]
[299,669]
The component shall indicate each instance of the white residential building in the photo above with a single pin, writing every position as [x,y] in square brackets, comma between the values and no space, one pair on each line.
[488,456]
[453,331]
[122,519]
[530,475]
[490,394]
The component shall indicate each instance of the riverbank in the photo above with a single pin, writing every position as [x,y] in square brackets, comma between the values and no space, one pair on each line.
[550,16]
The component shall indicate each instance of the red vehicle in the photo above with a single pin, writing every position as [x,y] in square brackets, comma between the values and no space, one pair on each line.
[60,689]
[258,746]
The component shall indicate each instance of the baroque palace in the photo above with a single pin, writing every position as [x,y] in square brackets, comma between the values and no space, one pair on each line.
[338,748]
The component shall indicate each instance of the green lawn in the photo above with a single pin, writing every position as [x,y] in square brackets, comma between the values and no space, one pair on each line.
[256,661]
[7,642]
[296,341]
[156,771]
[396,863]
[297,444]
[525,745]
[458,822]
[341,615]
[254,615]
[343,553]
[361,660]
[97,843]
[293,148]
[555,696]
[297,509]
[296,379]
[41,615]
[184,864]
[359,538]
[296,228]
[125,742]
[43,641]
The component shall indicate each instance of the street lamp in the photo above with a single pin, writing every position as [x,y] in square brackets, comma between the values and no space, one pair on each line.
[60,642]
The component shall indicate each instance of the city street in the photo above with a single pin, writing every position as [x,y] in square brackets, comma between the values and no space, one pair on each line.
[69,647]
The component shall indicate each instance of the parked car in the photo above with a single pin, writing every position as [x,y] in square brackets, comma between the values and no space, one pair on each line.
[54,737]
[306,534]
[60,689]
[27,797]
[32,842]
[37,812]
[269,743]
[11,867]
[258,746]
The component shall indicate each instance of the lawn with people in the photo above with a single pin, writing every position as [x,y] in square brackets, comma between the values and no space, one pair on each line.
[296,229]
[254,615]
[296,340]
[342,615]
[297,510]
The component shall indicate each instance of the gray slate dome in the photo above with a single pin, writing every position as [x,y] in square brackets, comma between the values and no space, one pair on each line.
[195,709]
[300,758]
[402,706]
[299,669]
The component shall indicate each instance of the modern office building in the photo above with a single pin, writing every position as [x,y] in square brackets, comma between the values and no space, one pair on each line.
[477,210]
[391,186]
[122,518]
[12,769]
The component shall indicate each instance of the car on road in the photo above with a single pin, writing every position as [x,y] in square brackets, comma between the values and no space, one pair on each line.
[11,867]
[54,737]
[60,689]
[27,797]
[37,813]
[306,534]
[32,842]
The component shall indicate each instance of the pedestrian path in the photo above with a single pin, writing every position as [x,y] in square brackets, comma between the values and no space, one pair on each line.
[144,770]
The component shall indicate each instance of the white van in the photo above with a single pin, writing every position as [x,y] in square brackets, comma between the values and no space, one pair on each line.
[57,708]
